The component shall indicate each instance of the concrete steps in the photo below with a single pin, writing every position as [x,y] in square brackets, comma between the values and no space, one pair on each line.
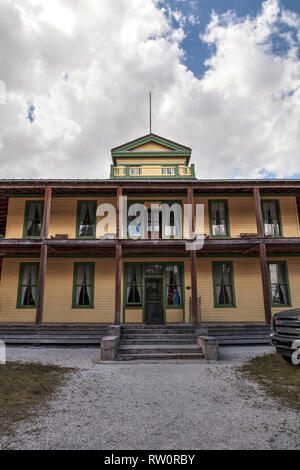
[159,342]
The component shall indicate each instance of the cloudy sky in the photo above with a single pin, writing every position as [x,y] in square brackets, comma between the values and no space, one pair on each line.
[224,76]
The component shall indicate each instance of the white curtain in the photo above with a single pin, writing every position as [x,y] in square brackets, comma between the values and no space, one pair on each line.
[223,281]
[83,279]
[177,275]
[134,282]
[86,210]
[278,283]
[218,219]
[29,281]
[271,218]
[30,216]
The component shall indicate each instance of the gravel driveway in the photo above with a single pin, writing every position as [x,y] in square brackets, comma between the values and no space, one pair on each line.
[154,406]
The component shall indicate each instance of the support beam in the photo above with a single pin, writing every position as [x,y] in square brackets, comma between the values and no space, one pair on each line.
[119,195]
[118,284]
[47,210]
[191,201]
[265,282]
[193,261]
[258,212]
[41,286]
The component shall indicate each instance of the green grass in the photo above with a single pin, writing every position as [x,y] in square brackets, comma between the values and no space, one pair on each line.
[280,379]
[23,387]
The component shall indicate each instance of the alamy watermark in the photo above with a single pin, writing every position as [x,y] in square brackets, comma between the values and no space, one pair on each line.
[2,353]
[155,220]
[2,92]
[296,354]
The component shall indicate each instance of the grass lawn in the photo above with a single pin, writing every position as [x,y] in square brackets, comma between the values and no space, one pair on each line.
[23,387]
[280,379]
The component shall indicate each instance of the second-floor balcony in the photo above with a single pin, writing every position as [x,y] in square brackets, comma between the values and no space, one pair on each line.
[153,171]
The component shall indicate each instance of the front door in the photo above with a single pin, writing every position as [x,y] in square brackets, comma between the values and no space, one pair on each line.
[154,301]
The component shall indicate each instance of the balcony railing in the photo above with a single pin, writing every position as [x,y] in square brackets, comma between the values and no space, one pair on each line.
[152,171]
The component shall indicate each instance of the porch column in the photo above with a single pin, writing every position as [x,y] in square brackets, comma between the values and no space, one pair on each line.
[258,212]
[265,282]
[118,284]
[193,259]
[43,258]
[41,286]
[119,195]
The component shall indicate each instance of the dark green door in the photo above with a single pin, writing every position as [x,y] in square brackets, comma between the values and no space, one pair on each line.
[154,312]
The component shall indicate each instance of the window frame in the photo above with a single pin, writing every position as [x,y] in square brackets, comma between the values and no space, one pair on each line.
[181,305]
[79,202]
[75,270]
[21,269]
[210,203]
[135,167]
[233,303]
[277,204]
[135,305]
[26,215]
[287,283]
[166,168]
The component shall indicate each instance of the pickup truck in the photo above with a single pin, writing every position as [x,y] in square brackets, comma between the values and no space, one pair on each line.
[285,334]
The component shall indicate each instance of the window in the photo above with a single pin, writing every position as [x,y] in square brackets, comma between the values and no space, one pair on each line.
[168,171]
[154,269]
[133,289]
[280,295]
[135,171]
[218,212]
[83,288]
[223,284]
[174,285]
[33,219]
[86,218]
[28,283]
[271,218]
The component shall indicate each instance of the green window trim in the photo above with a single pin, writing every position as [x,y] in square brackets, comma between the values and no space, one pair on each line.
[287,284]
[75,270]
[79,203]
[26,216]
[22,265]
[210,203]
[161,276]
[233,302]
[277,204]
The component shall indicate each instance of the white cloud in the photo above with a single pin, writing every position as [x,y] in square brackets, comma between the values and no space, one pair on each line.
[87,68]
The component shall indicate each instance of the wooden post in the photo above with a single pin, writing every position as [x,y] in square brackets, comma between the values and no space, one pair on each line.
[43,259]
[265,282]
[258,211]
[191,201]
[118,285]
[119,195]
[193,260]
[41,286]
[47,209]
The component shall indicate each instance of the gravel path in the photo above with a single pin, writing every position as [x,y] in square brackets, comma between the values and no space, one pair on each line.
[154,406]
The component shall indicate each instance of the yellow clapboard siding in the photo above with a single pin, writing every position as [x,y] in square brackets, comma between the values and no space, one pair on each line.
[58,292]
[289,215]
[151,147]
[165,160]
[9,293]
[248,291]
[174,315]
[133,315]
[16,215]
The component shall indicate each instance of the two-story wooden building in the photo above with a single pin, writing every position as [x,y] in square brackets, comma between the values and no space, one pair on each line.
[57,268]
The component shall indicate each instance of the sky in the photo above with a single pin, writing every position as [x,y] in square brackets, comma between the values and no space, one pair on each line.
[75,77]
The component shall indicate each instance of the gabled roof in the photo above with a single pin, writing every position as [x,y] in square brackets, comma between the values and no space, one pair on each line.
[170,144]
[141,147]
